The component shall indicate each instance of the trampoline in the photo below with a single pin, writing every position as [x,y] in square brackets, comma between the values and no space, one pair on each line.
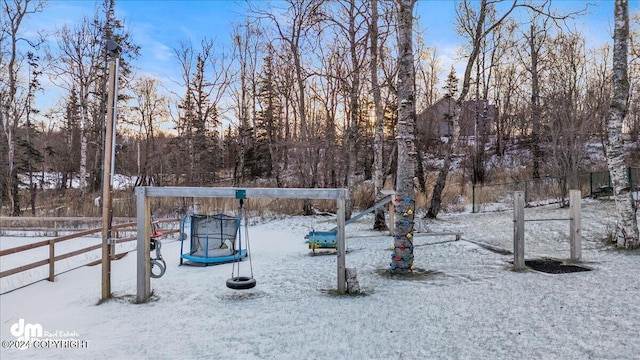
[212,239]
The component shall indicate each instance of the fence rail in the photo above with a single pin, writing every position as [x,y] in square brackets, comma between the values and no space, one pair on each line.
[53,225]
[51,260]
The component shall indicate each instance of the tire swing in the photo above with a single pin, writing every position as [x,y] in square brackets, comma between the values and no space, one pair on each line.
[236,281]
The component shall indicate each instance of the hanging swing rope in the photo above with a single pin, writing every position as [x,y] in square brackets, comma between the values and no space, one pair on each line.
[238,282]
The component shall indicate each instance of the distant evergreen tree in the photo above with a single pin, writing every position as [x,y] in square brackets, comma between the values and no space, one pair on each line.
[29,150]
[267,119]
[451,85]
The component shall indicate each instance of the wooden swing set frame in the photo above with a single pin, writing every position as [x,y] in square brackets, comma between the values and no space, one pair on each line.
[143,210]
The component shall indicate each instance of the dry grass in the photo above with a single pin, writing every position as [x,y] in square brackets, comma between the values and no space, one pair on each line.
[457,196]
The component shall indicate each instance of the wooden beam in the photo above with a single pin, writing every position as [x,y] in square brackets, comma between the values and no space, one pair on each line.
[24,248]
[518,230]
[340,204]
[575,225]
[144,232]
[222,192]
[24,268]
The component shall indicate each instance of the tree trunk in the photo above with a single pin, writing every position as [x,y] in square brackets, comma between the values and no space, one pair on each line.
[402,256]
[352,132]
[436,197]
[378,151]
[626,233]
[535,106]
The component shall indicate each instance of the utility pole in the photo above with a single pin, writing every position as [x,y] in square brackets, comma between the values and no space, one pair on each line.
[108,242]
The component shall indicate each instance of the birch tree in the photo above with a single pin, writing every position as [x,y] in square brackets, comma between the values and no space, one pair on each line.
[626,231]
[402,256]
[149,110]
[378,153]
[76,68]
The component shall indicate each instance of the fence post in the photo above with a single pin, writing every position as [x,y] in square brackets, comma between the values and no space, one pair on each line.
[52,260]
[341,249]
[518,230]
[575,225]
[473,198]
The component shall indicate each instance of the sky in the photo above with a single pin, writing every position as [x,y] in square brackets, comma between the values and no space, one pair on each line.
[465,301]
[160,26]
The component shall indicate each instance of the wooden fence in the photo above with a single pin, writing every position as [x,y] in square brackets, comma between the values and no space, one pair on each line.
[51,261]
[53,225]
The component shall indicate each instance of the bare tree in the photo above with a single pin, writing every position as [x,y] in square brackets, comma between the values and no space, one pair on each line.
[352,26]
[246,41]
[76,68]
[13,92]
[378,151]
[568,118]
[476,23]
[626,233]
[206,78]
[292,29]
[472,22]
[150,109]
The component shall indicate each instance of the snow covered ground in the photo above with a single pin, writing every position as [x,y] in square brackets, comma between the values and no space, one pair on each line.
[468,304]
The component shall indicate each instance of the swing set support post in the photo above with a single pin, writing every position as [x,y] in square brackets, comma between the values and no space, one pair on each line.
[575,228]
[341,246]
[143,193]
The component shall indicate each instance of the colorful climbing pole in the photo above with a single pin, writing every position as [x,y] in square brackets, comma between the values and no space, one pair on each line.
[402,249]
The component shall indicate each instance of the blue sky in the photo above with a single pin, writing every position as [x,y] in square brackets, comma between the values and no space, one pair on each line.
[159,26]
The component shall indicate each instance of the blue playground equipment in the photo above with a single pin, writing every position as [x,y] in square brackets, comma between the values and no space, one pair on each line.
[328,240]
[212,239]
[216,239]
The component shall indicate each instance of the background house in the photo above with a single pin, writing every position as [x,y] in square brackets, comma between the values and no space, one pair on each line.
[477,119]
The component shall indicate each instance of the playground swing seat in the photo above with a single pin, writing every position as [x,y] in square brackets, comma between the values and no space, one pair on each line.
[212,239]
[322,240]
[328,239]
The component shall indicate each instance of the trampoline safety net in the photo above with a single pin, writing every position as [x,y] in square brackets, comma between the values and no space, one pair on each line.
[213,235]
